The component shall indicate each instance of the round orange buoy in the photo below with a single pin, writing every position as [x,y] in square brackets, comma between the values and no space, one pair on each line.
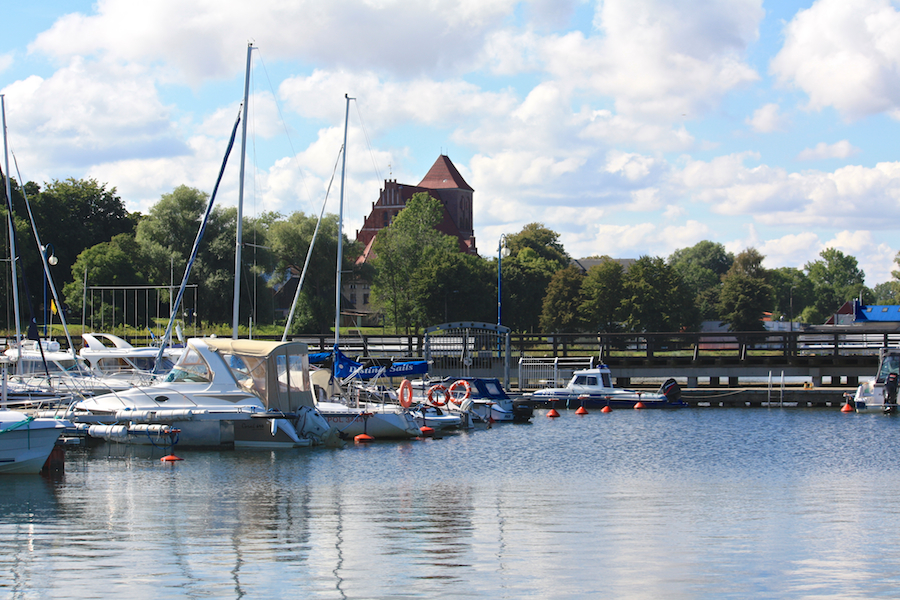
[363,437]
[552,413]
[426,431]
[639,404]
[606,409]
[847,408]
[170,458]
[581,411]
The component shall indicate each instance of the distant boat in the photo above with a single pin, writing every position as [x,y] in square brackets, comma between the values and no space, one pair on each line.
[879,394]
[594,388]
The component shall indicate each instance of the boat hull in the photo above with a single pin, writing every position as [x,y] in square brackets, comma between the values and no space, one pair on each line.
[25,449]
[611,400]
[381,424]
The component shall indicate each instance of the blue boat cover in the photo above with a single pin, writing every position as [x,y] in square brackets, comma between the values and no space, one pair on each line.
[344,367]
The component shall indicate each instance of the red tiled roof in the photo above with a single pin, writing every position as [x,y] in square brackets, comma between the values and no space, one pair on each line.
[443,175]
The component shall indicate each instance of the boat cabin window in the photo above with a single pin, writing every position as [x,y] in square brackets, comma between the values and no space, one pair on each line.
[190,367]
[586,380]
[53,366]
[293,372]
[607,382]
[890,364]
[250,371]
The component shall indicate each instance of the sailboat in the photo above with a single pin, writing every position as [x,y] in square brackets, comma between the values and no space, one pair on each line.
[25,441]
[244,393]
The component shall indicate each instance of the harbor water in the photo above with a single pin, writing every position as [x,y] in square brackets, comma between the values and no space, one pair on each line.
[691,503]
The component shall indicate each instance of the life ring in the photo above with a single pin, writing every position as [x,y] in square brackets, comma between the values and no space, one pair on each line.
[459,383]
[434,388]
[405,393]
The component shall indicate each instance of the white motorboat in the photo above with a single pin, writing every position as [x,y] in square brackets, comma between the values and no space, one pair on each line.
[221,392]
[352,417]
[879,394]
[123,363]
[594,388]
[26,442]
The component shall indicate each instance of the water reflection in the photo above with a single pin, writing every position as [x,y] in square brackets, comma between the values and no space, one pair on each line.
[695,503]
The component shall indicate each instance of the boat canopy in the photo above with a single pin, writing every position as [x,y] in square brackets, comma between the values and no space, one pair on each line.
[277,372]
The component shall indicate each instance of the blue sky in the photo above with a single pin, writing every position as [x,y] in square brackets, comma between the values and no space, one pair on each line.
[630,127]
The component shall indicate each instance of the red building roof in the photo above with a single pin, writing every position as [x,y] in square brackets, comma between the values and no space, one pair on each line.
[443,175]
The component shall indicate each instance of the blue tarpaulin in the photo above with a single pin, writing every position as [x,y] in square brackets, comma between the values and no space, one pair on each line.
[344,367]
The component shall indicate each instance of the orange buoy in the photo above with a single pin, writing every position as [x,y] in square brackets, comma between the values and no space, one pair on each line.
[581,411]
[847,408]
[552,413]
[426,431]
[170,458]
[363,437]
[639,404]
[606,409]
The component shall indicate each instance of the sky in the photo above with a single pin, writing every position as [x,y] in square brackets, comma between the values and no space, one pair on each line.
[629,127]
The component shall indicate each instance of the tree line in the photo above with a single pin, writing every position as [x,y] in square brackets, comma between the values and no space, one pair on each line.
[418,276]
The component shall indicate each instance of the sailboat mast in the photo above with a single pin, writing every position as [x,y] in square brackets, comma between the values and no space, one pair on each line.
[238,242]
[340,235]
[12,236]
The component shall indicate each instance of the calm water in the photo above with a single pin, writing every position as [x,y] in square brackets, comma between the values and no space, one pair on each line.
[697,503]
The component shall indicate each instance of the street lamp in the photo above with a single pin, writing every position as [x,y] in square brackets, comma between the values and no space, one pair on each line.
[502,250]
[51,260]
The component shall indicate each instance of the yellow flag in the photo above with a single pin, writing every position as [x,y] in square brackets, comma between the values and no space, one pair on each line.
[53,306]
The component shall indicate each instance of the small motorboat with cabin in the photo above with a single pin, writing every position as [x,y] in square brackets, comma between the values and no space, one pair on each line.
[221,392]
[26,441]
[593,388]
[489,399]
[879,394]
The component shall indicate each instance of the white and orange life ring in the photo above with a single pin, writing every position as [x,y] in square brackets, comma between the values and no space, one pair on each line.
[459,383]
[405,393]
[435,388]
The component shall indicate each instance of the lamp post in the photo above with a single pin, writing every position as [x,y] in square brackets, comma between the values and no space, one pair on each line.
[502,250]
[51,260]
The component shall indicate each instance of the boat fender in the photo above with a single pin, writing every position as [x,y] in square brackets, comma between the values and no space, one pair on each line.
[460,383]
[405,394]
[438,388]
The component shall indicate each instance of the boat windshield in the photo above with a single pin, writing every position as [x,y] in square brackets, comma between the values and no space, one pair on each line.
[190,367]
[890,364]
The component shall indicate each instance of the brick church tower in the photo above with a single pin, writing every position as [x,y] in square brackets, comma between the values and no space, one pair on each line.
[442,182]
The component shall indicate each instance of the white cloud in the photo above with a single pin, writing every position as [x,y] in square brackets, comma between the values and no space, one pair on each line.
[842,149]
[767,119]
[6,61]
[844,55]
[196,40]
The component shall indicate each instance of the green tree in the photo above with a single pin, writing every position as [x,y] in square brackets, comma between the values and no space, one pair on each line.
[702,267]
[290,240]
[601,292]
[535,254]
[116,262]
[655,298]
[836,278]
[454,286]
[792,292]
[746,293]
[887,293]
[544,242]
[561,309]
[399,251]
[166,235]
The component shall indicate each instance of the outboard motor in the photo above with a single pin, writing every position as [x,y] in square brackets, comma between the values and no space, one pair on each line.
[671,390]
[890,390]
